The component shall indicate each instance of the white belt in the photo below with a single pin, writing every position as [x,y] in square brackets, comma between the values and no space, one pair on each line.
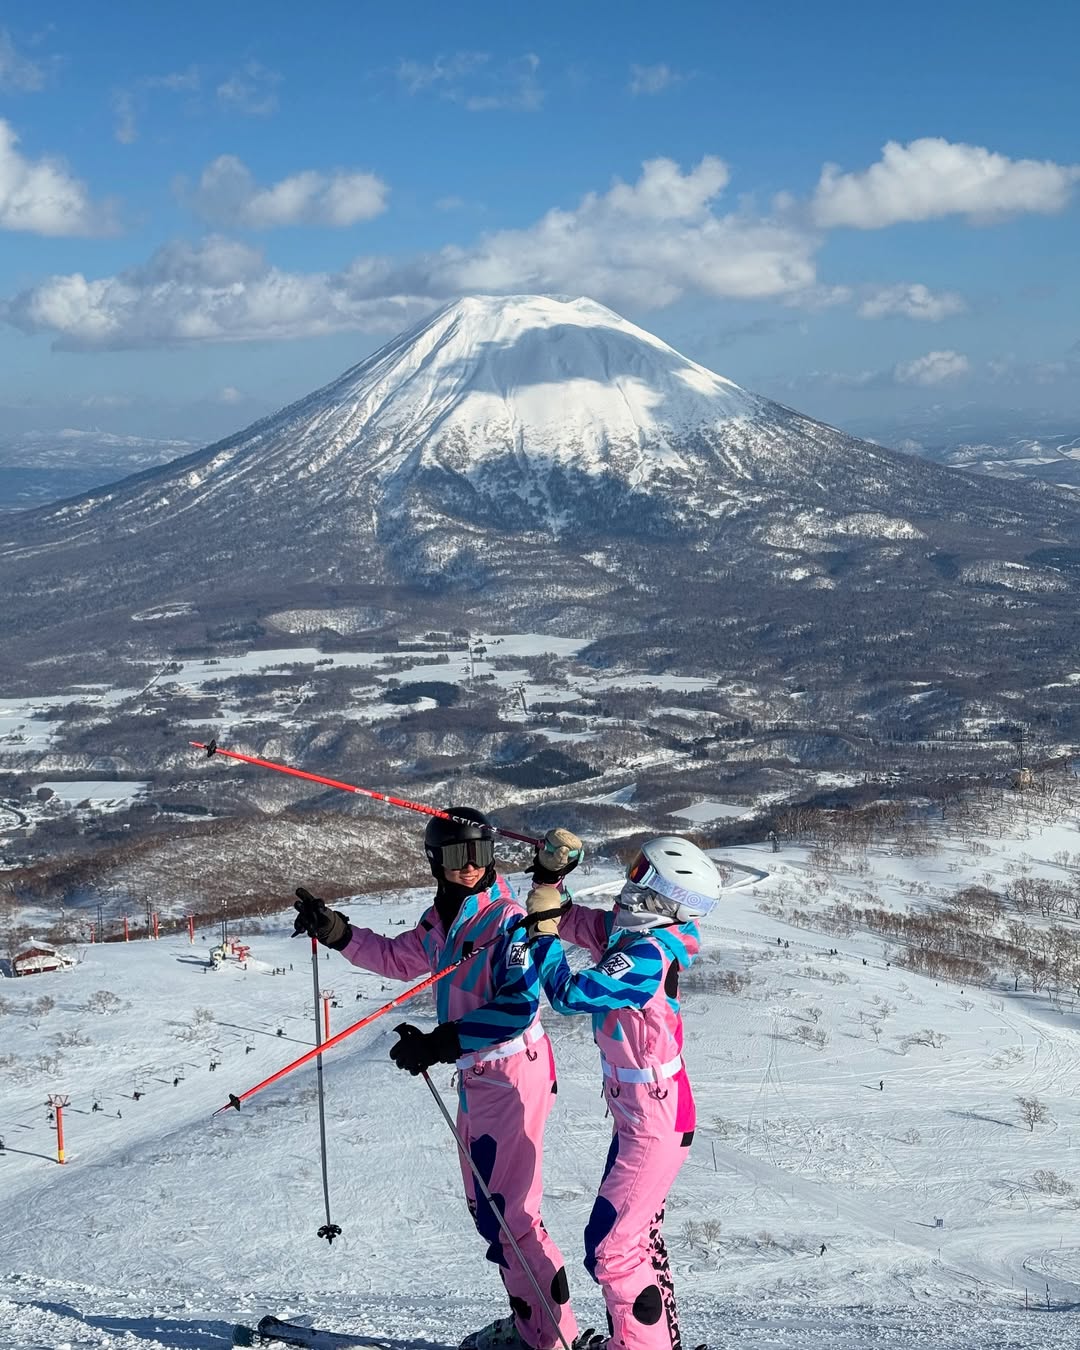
[504,1050]
[653,1075]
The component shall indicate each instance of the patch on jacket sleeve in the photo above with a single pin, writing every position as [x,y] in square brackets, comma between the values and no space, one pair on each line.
[519,954]
[616,965]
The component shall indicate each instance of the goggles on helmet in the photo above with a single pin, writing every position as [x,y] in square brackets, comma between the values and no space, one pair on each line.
[642,873]
[479,852]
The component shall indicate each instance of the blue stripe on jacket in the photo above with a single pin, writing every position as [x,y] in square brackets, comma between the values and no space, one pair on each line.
[515,1003]
[627,977]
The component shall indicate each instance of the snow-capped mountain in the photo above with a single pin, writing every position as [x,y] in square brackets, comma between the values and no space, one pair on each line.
[544,452]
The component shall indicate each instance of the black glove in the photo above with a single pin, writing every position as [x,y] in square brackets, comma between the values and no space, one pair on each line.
[418,1050]
[559,853]
[325,925]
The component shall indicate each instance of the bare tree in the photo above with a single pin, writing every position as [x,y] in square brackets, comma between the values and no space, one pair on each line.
[1033,1112]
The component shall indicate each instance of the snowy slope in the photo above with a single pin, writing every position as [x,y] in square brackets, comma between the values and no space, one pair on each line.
[167,1223]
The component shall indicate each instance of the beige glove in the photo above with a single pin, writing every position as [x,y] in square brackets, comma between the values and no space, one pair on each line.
[559,854]
[546,906]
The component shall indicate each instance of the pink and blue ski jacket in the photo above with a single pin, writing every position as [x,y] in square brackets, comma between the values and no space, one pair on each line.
[631,993]
[492,999]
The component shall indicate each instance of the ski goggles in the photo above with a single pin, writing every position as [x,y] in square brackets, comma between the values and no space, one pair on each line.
[479,852]
[642,873]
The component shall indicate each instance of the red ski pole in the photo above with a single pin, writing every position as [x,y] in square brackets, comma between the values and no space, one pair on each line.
[319,1050]
[212,748]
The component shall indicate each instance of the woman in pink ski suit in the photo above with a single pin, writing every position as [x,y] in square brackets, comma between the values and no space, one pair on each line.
[489,1026]
[638,948]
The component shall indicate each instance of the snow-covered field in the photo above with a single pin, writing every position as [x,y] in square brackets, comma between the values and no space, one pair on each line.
[25,725]
[168,1223]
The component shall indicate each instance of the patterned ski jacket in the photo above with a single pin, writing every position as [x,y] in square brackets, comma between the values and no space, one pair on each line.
[495,996]
[631,991]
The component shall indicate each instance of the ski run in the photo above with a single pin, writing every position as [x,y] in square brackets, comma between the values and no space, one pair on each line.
[861,1175]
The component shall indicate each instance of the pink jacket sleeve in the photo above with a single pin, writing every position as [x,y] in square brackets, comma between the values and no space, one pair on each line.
[401,958]
[587,928]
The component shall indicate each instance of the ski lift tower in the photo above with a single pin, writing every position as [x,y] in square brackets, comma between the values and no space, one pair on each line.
[56,1101]
[1023,778]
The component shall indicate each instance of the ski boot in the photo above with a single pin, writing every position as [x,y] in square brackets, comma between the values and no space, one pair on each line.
[502,1334]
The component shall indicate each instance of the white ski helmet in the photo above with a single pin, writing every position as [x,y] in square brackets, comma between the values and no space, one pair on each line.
[670,881]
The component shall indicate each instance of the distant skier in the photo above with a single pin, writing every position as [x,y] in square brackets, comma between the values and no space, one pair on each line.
[881,1084]
[639,948]
[824,1249]
[774,841]
[489,1026]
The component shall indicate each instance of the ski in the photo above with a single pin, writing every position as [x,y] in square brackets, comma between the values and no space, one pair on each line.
[275,1331]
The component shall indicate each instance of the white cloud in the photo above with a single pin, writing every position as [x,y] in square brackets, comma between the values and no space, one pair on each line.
[230,395]
[451,203]
[18,74]
[933,368]
[445,73]
[251,91]
[471,79]
[911,301]
[41,197]
[642,244]
[127,103]
[653,79]
[932,177]
[176,81]
[106,401]
[125,129]
[227,194]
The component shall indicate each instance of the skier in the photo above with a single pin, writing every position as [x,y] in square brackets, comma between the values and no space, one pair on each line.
[638,948]
[489,1026]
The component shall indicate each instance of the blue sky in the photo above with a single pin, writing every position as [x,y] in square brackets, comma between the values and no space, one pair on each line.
[208,210]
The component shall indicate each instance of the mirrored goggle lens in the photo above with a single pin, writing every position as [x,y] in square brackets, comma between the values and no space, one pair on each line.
[479,852]
[639,869]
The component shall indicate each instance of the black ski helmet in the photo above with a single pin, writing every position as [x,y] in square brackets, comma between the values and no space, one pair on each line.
[469,824]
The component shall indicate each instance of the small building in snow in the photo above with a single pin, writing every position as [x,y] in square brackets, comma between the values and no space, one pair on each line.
[38,959]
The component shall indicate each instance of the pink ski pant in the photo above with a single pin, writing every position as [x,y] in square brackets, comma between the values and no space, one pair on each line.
[624,1243]
[504,1108]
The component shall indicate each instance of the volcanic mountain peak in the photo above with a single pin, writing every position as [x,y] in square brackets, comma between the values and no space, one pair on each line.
[502,444]
[539,372]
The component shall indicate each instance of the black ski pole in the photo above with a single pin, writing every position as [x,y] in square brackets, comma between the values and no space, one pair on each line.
[545,1302]
[329,1230]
